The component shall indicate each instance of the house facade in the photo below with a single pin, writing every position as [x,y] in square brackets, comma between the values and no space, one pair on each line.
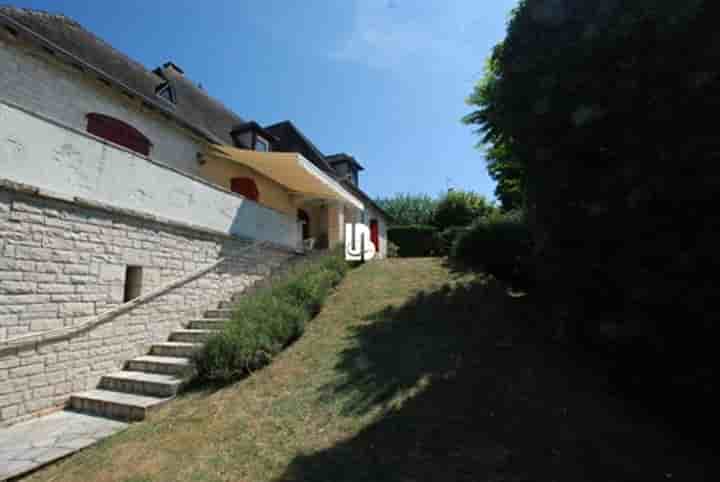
[60,72]
[119,183]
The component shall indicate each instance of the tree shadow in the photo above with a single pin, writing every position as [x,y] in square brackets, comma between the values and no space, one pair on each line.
[469,391]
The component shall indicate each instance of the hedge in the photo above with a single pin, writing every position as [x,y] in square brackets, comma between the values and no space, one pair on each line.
[498,244]
[414,241]
[267,321]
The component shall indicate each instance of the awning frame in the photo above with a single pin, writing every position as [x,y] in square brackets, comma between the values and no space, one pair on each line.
[325,186]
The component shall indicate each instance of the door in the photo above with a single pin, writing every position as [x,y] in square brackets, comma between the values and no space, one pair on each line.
[375,234]
[303,217]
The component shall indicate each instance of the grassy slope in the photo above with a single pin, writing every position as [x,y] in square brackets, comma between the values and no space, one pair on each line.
[387,384]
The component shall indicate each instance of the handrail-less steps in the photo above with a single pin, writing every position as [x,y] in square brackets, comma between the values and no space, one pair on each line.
[149,381]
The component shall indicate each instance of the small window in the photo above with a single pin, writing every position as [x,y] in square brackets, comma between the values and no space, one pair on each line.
[133,283]
[166,92]
[119,132]
[261,145]
[246,187]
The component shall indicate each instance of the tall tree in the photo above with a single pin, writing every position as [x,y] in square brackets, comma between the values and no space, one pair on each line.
[502,164]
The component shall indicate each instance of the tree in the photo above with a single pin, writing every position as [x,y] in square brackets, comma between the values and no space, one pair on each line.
[460,208]
[605,105]
[502,164]
[409,209]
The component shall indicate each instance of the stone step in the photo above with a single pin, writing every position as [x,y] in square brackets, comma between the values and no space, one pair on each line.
[176,349]
[166,365]
[226,305]
[208,324]
[191,336]
[141,383]
[117,405]
[225,313]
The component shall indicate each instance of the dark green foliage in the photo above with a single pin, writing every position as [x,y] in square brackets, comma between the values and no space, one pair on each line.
[414,241]
[409,209]
[503,164]
[509,173]
[268,320]
[499,244]
[460,208]
[608,105]
[446,238]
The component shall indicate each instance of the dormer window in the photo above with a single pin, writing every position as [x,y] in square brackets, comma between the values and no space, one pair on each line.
[261,144]
[346,167]
[253,137]
[166,92]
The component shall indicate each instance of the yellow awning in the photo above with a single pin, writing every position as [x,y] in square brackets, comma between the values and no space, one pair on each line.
[289,169]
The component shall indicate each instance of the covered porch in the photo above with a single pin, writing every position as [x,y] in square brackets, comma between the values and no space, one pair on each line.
[289,183]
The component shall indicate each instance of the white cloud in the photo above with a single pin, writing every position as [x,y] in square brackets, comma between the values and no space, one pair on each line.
[390,33]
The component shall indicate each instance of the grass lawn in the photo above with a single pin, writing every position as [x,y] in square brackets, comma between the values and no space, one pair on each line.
[411,372]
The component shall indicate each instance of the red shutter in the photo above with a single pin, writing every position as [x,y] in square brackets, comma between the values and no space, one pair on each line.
[245,186]
[375,234]
[117,131]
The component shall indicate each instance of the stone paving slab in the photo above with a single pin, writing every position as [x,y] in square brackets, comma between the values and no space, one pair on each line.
[29,445]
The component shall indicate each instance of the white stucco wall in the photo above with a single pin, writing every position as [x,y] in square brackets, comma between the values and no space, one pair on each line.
[42,153]
[30,79]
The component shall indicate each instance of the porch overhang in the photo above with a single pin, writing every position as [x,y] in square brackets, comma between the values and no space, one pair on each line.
[288,169]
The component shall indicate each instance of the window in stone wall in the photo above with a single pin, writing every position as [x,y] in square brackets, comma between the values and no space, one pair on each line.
[133,283]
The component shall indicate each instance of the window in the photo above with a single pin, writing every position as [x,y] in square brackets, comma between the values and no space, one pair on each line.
[133,283]
[117,131]
[166,92]
[261,144]
[245,186]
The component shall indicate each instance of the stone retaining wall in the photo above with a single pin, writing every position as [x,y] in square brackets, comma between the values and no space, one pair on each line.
[64,263]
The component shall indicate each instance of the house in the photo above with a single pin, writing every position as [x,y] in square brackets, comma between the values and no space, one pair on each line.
[132,201]
[65,73]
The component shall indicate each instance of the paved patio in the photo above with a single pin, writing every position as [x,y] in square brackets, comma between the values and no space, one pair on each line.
[29,445]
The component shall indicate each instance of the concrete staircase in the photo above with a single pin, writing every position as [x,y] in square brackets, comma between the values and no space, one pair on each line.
[148,382]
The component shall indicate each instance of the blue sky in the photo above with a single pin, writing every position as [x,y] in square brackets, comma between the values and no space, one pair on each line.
[383,80]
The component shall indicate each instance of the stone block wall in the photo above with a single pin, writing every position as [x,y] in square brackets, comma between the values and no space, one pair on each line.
[64,263]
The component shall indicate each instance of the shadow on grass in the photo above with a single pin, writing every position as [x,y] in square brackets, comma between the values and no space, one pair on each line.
[471,394]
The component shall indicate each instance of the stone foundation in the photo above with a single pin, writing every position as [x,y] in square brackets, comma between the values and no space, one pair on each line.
[63,264]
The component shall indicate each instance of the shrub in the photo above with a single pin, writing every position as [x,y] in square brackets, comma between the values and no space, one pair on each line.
[460,208]
[414,241]
[267,321]
[445,239]
[500,244]
[393,251]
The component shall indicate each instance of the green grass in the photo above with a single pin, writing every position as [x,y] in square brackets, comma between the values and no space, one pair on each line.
[410,372]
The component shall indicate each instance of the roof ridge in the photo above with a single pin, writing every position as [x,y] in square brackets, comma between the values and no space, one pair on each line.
[37,11]
[74,23]
[207,95]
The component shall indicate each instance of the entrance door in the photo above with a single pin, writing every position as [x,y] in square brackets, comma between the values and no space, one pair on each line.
[305,219]
[375,234]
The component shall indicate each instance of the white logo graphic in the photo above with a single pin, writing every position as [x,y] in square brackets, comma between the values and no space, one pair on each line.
[358,246]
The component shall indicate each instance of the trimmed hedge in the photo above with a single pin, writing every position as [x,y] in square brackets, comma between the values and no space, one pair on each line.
[269,320]
[414,241]
[499,244]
